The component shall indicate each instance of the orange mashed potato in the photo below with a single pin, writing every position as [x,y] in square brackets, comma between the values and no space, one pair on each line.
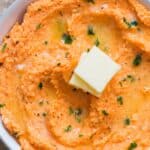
[38,106]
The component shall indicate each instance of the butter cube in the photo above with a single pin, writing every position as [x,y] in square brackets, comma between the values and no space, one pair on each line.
[94,71]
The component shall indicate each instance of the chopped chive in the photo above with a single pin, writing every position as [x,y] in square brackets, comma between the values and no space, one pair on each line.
[137,60]
[131,77]
[78,119]
[71,111]
[134,23]
[80,135]
[2,105]
[130,24]
[40,86]
[97,42]
[90,30]
[105,113]
[132,146]
[68,128]
[67,39]
[4,47]
[120,100]
[78,111]
[127,121]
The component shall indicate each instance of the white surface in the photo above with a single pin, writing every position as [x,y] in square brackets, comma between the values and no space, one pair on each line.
[97,69]
[11,15]
[8,140]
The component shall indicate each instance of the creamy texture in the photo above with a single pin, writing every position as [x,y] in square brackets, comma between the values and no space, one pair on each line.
[37,58]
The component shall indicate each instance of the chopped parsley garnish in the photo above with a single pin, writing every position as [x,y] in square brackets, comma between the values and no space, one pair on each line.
[46,42]
[132,146]
[105,113]
[44,114]
[67,39]
[97,42]
[71,111]
[4,47]
[68,128]
[40,86]
[2,105]
[130,24]
[80,135]
[134,23]
[78,119]
[131,78]
[76,112]
[90,30]
[120,100]
[137,60]
[38,26]
[90,1]
[127,121]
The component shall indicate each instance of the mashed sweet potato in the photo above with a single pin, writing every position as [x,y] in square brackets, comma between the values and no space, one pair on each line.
[37,59]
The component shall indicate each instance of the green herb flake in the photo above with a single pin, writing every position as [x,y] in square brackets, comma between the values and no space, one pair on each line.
[105,113]
[132,146]
[40,86]
[126,22]
[38,26]
[137,60]
[97,42]
[131,78]
[134,23]
[78,119]
[120,100]
[2,105]
[68,128]
[127,121]
[131,24]
[78,111]
[80,135]
[4,47]
[71,111]
[90,30]
[67,39]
